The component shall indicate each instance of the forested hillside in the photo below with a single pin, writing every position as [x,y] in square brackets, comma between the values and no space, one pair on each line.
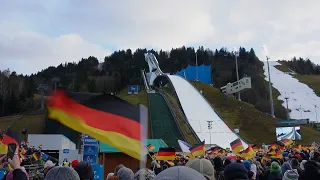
[123,67]
[302,66]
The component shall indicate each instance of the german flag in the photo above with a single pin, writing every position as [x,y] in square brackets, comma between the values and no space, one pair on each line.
[150,147]
[236,146]
[105,117]
[3,148]
[273,146]
[35,156]
[11,137]
[272,152]
[166,153]
[287,142]
[198,150]
[278,155]
[247,153]
[22,156]
[255,147]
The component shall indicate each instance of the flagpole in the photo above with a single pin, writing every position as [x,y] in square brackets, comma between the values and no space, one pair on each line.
[143,113]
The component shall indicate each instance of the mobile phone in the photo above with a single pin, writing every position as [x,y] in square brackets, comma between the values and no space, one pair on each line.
[11,150]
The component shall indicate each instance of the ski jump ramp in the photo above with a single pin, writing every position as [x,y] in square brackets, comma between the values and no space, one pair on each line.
[195,107]
[198,111]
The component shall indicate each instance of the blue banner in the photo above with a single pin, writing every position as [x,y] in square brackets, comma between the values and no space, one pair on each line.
[98,172]
[87,140]
[92,159]
[66,151]
[133,89]
[90,150]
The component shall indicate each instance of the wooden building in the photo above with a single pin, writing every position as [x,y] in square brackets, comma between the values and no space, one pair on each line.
[110,157]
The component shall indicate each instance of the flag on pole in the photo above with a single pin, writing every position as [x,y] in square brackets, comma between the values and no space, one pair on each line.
[105,117]
[166,153]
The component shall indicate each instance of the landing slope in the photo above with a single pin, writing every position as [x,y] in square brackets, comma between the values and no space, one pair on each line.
[301,97]
[198,111]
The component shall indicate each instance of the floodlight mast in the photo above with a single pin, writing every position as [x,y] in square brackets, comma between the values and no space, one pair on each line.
[270,86]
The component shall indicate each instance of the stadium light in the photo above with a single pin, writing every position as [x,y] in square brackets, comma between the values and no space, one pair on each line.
[210,127]
[315,107]
[237,70]
[266,52]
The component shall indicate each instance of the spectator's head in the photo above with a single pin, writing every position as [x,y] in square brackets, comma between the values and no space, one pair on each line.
[145,173]
[179,172]
[235,171]
[117,169]
[275,167]
[49,164]
[85,170]
[125,174]
[62,173]
[203,166]
[109,175]
[303,162]
[247,164]
[291,175]
[294,163]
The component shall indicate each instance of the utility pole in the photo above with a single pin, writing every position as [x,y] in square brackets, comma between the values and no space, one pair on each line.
[55,80]
[210,127]
[315,107]
[196,65]
[288,116]
[237,71]
[270,86]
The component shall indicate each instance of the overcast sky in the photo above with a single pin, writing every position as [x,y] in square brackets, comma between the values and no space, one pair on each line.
[36,33]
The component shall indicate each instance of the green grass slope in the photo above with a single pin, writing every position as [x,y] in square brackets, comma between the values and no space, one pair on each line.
[34,123]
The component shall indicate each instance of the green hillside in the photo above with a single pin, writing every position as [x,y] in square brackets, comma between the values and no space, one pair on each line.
[255,126]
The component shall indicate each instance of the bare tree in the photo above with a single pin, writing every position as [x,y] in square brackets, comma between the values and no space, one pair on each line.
[4,87]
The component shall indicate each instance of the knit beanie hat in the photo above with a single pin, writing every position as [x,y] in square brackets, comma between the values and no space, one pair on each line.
[62,173]
[275,167]
[85,170]
[203,166]
[235,171]
[247,164]
[48,164]
[179,173]
[145,173]
[74,163]
[125,174]
[291,175]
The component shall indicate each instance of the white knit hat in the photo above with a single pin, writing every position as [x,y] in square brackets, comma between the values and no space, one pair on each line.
[48,164]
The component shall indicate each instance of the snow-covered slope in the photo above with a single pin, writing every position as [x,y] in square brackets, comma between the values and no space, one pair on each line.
[301,98]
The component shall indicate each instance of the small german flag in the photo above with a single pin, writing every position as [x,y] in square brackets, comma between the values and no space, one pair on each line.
[11,137]
[278,155]
[236,146]
[166,153]
[105,117]
[150,147]
[35,156]
[274,146]
[247,153]
[198,150]
[287,142]
[22,156]
[255,147]
[272,152]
